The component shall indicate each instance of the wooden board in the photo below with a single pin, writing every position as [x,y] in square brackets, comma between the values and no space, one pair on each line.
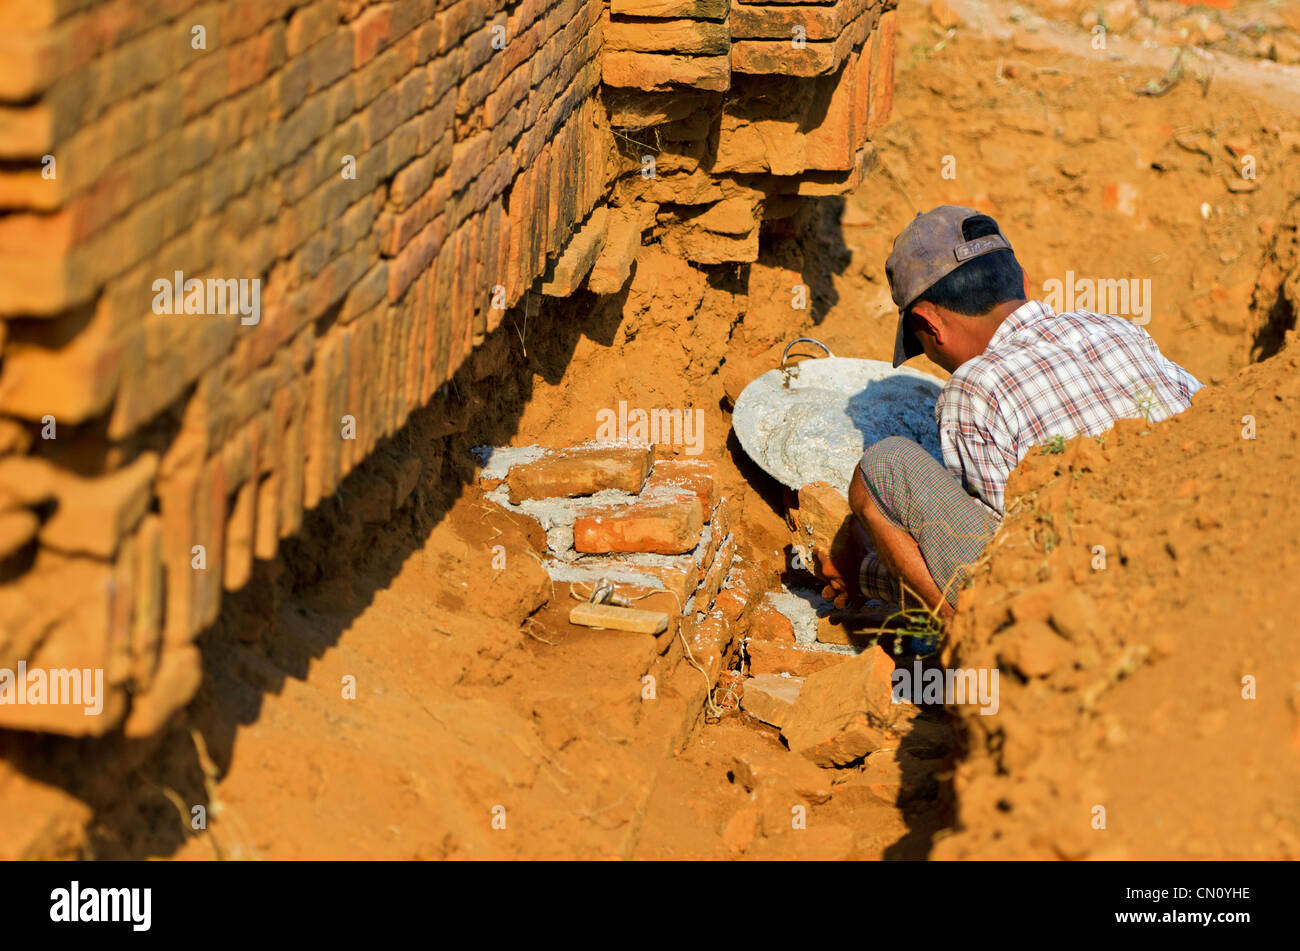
[612,617]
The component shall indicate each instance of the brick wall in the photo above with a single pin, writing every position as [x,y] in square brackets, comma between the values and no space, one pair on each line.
[389,179]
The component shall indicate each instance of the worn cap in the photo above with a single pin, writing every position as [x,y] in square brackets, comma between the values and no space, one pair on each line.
[930,248]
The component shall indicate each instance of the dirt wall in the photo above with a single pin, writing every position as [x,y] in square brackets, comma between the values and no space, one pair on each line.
[363,192]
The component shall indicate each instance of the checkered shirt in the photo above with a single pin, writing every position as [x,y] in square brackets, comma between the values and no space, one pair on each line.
[1044,375]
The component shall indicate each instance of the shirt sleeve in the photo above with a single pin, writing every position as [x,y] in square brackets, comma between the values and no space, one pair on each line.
[978,445]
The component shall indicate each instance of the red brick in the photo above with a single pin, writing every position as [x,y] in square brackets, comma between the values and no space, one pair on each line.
[660,71]
[716,576]
[237,564]
[266,540]
[570,269]
[693,9]
[177,680]
[819,22]
[686,475]
[769,624]
[370,34]
[209,531]
[665,528]
[881,93]
[576,472]
[833,143]
[292,465]
[146,624]
[694,37]
[93,515]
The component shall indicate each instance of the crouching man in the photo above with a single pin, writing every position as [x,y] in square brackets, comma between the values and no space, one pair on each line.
[1021,376]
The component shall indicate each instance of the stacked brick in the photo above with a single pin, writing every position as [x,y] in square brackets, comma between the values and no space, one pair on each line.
[655,528]
[658,532]
[395,174]
[726,113]
[341,198]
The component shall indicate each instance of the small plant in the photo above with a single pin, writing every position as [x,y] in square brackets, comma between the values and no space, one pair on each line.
[1147,403]
[914,620]
[1054,447]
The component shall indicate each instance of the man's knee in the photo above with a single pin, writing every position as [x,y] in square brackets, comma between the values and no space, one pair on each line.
[883,471]
[884,460]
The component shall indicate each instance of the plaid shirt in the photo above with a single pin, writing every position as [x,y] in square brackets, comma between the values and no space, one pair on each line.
[1043,375]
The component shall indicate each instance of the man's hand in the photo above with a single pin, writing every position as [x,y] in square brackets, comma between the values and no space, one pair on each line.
[841,586]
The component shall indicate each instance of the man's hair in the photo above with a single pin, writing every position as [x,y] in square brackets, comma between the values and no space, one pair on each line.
[982,283]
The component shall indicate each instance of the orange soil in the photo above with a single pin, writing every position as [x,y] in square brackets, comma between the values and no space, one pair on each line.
[1166,688]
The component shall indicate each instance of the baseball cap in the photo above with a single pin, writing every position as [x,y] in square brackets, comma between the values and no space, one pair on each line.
[930,248]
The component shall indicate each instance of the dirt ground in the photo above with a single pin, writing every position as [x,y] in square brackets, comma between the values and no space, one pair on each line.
[476,707]
[1140,604]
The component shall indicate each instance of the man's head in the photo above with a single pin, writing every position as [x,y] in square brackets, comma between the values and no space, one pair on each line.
[954,278]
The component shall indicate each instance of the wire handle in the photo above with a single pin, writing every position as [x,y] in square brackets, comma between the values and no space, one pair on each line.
[786,352]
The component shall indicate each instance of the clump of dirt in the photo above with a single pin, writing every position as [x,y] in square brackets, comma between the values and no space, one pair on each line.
[1140,602]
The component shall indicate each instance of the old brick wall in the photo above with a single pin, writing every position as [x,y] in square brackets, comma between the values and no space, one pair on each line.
[396,177]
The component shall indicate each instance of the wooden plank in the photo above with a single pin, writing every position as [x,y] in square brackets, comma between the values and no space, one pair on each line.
[612,617]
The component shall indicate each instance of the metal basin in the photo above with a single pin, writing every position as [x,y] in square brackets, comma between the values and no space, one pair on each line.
[810,421]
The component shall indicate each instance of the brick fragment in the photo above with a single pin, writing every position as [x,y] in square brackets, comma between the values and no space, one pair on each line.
[179,674]
[753,767]
[814,58]
[845,712]
[779,22]
[614,264]
[578,472]
[770,697]
[846,630]
[716,576]
[570,269]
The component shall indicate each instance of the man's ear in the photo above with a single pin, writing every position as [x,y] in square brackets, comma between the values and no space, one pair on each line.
[927,320]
